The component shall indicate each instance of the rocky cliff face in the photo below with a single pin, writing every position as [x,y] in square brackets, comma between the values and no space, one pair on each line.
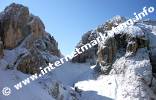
[91,54]
[129,54]
[128,41]
[124,43]
[19,28]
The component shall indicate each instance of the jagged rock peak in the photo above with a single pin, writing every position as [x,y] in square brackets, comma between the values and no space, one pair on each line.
[16,23]
[20,28]
[91,54]
[117,19]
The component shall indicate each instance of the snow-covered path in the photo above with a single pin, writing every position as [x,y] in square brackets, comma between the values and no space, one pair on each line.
[99,89]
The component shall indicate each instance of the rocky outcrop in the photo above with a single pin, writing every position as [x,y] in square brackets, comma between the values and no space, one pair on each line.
[31,62]
[41,52]
[14,26]
[134,77]
[106,54]
[126,41]
[36,27]
[133,64]
[91,54]
[128,56]
[19,28]
[59,92]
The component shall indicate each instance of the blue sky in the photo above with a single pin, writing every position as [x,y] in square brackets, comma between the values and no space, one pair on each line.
[67,20]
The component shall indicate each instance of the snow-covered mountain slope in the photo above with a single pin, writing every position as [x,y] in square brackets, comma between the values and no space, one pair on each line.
[65,76]
[122,67]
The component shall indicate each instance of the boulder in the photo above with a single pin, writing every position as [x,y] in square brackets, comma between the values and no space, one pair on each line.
[61,92]
[31,62]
